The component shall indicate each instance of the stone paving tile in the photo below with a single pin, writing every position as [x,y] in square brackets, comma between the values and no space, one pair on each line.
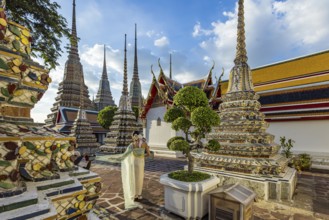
[311,200]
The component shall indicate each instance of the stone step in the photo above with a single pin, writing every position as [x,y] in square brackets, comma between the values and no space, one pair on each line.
[28,212]
[83,174]
[28,198]
[79,172]
[55,187]
[64,189]
[320,163]
[166,153]
[55,184]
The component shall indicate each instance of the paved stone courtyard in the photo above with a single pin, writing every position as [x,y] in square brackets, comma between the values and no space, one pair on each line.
[311,198]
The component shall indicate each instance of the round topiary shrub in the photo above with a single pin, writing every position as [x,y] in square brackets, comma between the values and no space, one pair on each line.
[213,145]
[179,145]
[173,139]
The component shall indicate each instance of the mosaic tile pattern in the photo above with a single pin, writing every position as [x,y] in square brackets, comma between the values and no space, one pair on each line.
[36,162]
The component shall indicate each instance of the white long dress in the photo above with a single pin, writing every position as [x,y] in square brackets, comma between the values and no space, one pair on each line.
[132,175]
[128,178]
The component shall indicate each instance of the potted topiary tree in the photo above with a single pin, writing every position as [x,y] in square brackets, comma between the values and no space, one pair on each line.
[186,191]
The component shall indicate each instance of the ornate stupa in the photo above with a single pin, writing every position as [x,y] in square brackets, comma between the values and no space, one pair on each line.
[38,179]
[135,85]
[246,148]
[124,121]
[104,96]
[86,141]
[69,88]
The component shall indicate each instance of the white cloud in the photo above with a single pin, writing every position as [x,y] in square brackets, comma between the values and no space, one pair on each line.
[274,30]
[150,33]
[161,42]
[185,77]
[94,56]
[305,20]
[198,31]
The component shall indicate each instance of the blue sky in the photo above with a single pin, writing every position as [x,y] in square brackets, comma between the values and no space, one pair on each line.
[196,32]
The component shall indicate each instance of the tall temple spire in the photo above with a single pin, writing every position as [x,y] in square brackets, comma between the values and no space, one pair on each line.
[104,96]
[245,145]
[135,85]
[241,52]
[135,74]
[104,73]
[125,77]
[240,76]
[124,120]
[69,90]
[74,37]
[170,70]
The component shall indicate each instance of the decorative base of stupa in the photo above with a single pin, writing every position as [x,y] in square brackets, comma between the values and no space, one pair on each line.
[112,149]
[71,196]
[266,187]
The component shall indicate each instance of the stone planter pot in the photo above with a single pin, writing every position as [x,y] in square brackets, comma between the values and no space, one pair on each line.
[187,199]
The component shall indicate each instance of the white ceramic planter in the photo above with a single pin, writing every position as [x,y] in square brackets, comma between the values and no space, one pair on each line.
[187,199]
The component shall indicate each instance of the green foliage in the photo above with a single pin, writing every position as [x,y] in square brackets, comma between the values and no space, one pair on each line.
[181,123]
[302,162]
[286,146]
[190,98]
[173,113]
[185,176]
[173,139]
[105,116]
[179,145]
[46,25]
[136,111]
[204,118]
[213,145]
[191,110]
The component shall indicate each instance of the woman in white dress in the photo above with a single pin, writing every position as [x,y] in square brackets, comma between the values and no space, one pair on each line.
[132,170]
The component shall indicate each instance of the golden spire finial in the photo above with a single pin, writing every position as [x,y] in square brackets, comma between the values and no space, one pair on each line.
[241,52]
[240,76]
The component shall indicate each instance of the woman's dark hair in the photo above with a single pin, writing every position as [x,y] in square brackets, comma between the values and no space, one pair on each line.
[136,132]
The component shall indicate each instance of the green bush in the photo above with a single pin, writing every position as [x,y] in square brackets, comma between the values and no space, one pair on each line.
[190,110]
[181,123]
[172,114]
[204,118]
[185,176]
[213,145]
[179,145]
[105,116]
[302,162]
[173,139]
[191,97]
[286,146]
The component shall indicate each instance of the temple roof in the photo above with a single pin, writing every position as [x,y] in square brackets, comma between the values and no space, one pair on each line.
[66,117]
[166,89]
[312,68]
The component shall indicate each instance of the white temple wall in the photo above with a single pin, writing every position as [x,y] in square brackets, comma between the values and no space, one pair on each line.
[158,135]
[310,136]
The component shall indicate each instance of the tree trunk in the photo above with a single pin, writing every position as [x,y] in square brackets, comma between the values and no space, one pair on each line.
[190,162]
